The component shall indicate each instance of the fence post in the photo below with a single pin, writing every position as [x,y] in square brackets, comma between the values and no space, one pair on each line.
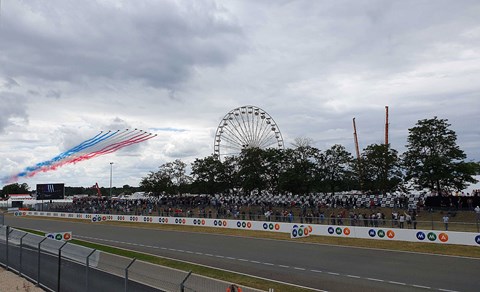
[60,264]
[182,285]
[86,270]
[126,274]
[21,247]
[6,246]
[38,266]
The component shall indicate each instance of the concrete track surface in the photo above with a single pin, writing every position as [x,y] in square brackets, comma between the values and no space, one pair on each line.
[314,266]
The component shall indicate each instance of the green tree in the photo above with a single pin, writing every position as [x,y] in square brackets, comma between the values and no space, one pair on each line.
[381,168]
[300,170]
[170,178]
[274,166]
[15,188]
[207,175]
[251,170]
[334,169]
[229,174]
[433,159]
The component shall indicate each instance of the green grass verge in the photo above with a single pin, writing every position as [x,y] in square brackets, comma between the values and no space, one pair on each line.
[231,277]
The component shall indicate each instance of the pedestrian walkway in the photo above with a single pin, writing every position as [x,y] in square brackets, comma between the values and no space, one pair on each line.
[10,282]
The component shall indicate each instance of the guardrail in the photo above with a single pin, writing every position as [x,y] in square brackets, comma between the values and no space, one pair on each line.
[57,265]
[379,231]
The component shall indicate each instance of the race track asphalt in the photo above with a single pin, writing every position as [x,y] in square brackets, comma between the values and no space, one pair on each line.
[314,266]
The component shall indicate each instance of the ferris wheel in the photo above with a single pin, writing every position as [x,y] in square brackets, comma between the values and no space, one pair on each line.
[246,127]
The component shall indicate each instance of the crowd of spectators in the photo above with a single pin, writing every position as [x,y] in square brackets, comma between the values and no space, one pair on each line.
[326,209]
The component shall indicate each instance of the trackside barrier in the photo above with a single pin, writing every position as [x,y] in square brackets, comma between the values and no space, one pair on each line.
[375,233]
[62,266]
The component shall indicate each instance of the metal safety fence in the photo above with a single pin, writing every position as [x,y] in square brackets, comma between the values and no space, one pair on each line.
[56,265]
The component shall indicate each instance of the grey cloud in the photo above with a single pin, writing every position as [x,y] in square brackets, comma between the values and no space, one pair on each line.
[183,148]
[118,124]
[10,83]
[11,106]
[54,94]
[156,42]
[33,92]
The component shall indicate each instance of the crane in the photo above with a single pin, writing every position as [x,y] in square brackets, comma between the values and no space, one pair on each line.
[355,137]
[386,125]
[98,190]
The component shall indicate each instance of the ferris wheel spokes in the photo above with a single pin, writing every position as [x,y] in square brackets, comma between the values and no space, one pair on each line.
[246,127]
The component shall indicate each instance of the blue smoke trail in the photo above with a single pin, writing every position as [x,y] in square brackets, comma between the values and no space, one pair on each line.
[85,144]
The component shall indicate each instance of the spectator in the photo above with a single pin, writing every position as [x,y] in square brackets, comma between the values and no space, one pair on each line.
[414,219]
[445,221]
[408,219]
[402,220]
[477,211]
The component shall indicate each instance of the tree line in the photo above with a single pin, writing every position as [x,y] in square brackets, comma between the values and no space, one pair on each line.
[432,161]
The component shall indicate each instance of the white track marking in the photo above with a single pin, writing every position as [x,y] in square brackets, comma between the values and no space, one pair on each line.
[270,264]
[397,283]
[300,269]
[272,239]
[376,280]
[420,286]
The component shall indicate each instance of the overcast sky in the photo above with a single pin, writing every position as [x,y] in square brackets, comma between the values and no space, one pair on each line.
[71,69]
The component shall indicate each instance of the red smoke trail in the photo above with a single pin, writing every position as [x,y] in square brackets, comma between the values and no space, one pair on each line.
[121,140]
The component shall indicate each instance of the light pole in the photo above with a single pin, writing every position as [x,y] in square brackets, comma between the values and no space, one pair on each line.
[111,171]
